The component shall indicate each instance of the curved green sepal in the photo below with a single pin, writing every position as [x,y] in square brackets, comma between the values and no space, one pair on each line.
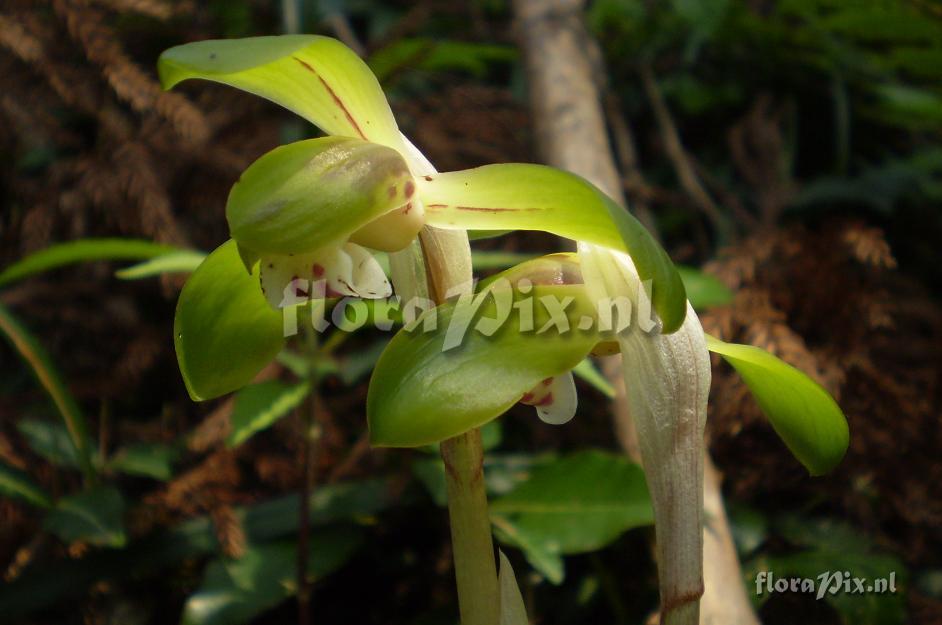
[535,197]
[224,330]
[803,414]
[318,78]
[307,195]
[424,391]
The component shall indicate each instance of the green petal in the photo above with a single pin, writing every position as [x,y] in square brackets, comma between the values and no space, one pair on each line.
[803,414]
[422,393]
[224,330]
[318,78]
[307,195]
[534,197]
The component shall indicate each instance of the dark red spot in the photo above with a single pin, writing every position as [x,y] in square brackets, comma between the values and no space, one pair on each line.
[428,178]
[410,189]
[547,381]
[527,398]
[436,206]
[546,401]
[407,208]
[334,96]
[484,209]
[317,269]
[300,292]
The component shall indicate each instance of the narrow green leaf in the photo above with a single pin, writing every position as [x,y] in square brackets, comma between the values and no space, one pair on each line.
[422,393]
[51,440]
[579,503]
[310,194]
[259,406]
[18,484]
[491,259]
[587,371]
[318,78]
[185,261]
[224,330]
[512,609]
[803,414]
[535,197]
[95,516]
[233,592]
[83,250]
[704,290]
[48,376]
[152,460]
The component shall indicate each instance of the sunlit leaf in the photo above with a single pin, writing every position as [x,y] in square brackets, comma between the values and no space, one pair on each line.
[72,252]
[587,371]
[535,197]
[19,485]
[306,195]
[803,414]
[318,78]
[224,330]
[259,406]
[185,261]
[93,516]
[704,290]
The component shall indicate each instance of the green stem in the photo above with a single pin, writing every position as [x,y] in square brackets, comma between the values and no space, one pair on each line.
[475,570]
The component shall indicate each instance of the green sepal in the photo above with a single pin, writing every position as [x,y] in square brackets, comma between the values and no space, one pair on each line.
[318,78]
[224,330]
[535,197]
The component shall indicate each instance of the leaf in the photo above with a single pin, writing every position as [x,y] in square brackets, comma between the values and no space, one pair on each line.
[512,609]
[224,330]
[704,290]
[422,393]
[72,252]
[235,591]
[535,197]
[19,485]
[51,440]
[94,516]
[575,504]
[311,194]
[146,460]
[803,414]
[586,371]
[49,377]
[175,262]
[259,406]
[318,78]
[435,56]
[495,259]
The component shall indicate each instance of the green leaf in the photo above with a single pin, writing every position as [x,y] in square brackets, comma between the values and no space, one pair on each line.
[535,197]
[259,406]
[80,251]
[51,440]
[586,371]
[512,609]
[318,78]
[803,414]
[49,377]
[436,56]
[224,330]
[185,261]
[310,194]
[235,591]
[94,516]
[152,460]
[704,290]
[579,503]
[18,484]
[495,259]
[422,393]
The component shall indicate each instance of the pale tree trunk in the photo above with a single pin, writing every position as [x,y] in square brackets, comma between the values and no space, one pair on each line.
[562,63]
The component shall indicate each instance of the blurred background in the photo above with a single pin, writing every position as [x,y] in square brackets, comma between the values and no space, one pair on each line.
[786,151]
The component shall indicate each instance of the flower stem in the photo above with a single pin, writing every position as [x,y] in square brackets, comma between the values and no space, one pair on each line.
[475,570]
